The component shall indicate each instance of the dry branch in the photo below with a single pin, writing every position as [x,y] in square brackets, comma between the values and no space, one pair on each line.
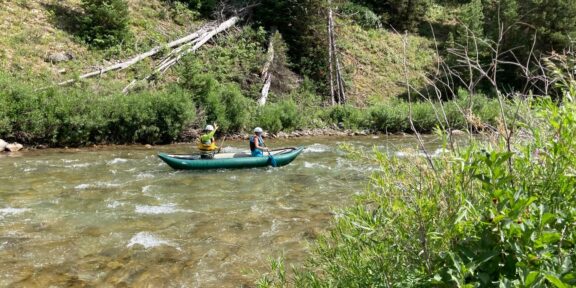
[178,53]
[139,57]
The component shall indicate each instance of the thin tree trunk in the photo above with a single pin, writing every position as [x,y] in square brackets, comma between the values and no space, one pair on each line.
[265,90]
[330,53]
[338,94]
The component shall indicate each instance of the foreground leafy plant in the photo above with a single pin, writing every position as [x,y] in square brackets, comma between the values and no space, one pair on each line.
[482,217]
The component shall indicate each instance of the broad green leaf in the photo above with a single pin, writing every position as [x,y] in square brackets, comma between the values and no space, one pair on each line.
[555,281]
[532,276]
[549,237]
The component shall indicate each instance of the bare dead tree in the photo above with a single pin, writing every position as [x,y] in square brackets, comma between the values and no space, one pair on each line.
[337,89]
[266,74]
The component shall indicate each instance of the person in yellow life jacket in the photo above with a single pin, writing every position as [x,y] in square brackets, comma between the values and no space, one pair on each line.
[207,142]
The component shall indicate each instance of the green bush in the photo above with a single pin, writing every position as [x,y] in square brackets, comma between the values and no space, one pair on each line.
[362,15]
[223,104]
[149,117]
[104,22]
[72,117]
[275,117]
[480,217]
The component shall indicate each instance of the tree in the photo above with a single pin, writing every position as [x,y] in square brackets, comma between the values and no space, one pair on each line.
[104,22]
[302,24]
[400,14]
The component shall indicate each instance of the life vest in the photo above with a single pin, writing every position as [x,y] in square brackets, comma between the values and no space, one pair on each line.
[207,147]
[253,143]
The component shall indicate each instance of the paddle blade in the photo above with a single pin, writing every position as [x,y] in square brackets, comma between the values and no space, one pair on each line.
[272,161]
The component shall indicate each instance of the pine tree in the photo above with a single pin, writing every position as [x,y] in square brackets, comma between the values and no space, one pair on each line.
[400,14]
[104,22]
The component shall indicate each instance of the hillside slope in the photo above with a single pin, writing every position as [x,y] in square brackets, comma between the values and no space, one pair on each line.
[35,31]
[373,61]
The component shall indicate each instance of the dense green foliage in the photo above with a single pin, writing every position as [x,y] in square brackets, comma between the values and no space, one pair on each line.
[393,117]
[482,216]
[400,14]
[104,22]
[64,117]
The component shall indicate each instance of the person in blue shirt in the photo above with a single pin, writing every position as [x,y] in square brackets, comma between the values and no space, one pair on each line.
[257,146]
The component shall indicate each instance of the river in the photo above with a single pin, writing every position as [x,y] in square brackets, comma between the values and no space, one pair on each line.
[119,216]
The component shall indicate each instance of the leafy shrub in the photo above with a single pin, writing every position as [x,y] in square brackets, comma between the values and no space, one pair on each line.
[223,104]
[349,116]
[275,117]
[481,217]
[71,117]
[149,117]
[104,22]
[361,15]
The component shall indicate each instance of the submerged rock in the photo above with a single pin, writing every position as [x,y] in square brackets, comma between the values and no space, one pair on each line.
[14,147]
[3,145]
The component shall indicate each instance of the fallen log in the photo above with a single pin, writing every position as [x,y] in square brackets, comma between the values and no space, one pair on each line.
[140,57]
[175,57]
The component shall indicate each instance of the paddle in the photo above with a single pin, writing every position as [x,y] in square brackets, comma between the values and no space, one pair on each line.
[271,158]
[221,143]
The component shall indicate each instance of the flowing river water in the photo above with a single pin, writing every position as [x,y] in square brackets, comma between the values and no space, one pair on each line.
[120,217]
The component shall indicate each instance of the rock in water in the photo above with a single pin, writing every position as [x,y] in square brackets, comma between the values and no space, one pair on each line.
[14,147]
[3,145]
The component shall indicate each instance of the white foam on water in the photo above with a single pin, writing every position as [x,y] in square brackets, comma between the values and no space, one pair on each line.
[162,209]
[12,211]
[117,161]
[82,186]
[114,204]
[70,160]
[144,176]
[29,169]
[148,240]
[146,188]
[273,229]
[96,185]
[81,165]
[316,148]
[316,165]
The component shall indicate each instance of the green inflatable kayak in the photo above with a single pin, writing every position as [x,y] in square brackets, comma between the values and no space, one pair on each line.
[280,157]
